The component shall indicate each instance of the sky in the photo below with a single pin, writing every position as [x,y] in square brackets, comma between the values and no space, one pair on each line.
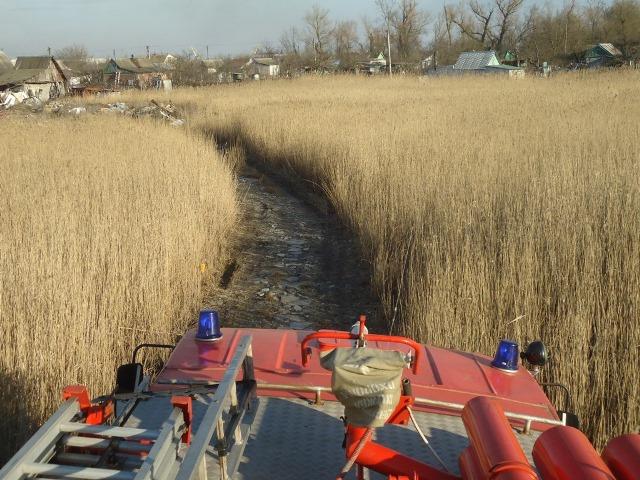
[127,26]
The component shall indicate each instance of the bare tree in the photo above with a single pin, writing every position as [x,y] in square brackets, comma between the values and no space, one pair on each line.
[290,41]
[477,24]
[375,38]
[319,29]
[72,52]
[345,36]
[387,9]
[488,23]
[623,26]
[594,15]
[508,9]
[409,24]
[569,8]
[447,22]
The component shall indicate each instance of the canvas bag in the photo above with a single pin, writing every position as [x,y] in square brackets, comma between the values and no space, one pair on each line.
[367,381]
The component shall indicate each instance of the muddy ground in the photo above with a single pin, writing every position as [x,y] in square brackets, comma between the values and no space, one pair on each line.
[294,265]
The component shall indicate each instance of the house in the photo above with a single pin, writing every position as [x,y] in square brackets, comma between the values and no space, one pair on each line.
[80,73]
[262,67]
[373,66]
[134,72]
[167,60]
[476,61]
[40,77]
[485,63]
[512,58]
[602,55]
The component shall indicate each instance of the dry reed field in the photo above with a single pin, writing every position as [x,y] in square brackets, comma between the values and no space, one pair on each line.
[104,224]
[478,201]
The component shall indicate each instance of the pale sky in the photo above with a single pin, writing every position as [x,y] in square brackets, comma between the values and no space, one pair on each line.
[228,27]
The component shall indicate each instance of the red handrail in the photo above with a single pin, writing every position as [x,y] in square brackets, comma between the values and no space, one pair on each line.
[335,335]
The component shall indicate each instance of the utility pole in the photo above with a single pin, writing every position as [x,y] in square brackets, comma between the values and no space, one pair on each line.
[114,53]
[389,47]
[49,50]
[207,52]
[148,53]
[386,8]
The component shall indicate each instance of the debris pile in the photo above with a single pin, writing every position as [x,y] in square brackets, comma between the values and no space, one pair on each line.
[167,113]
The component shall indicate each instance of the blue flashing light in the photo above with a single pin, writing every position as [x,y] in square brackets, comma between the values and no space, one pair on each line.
[506,356]
[208,326]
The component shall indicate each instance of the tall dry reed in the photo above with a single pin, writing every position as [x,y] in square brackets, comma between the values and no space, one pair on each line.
[104,225]
[478,201]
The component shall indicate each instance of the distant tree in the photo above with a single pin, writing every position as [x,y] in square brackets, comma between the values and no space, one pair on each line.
[191,71]
[622,24]
[72,52]
[475,23]
[488,23]
[444,43]
[267,49]
[387,9]
[375,38]
[319,29]
[345,37]
[594,16]
[291,42]
[409,23]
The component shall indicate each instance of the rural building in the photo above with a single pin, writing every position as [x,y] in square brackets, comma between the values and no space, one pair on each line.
[40,77]
[373,66]
[476,61]
[512,59]
[81,73]
[602,55]
[166,60]
[139,73]
[262,67]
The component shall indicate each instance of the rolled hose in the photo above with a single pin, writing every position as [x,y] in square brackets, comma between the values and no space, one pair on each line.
[494,452]
[622,456]
[564,452]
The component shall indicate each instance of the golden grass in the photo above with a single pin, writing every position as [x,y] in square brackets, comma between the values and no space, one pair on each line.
[104,223]
[478,200]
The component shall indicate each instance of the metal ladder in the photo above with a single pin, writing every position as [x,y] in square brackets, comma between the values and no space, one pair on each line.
[161,454]
[62,431]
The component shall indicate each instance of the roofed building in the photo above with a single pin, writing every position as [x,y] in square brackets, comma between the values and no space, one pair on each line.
[262,67]
[40,77]
[470,61]
[133,72]
[81,72]
[373,66]
[479,63]
[602,55]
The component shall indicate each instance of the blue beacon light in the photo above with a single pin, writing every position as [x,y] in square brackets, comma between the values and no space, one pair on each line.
[208,326]
[506,358]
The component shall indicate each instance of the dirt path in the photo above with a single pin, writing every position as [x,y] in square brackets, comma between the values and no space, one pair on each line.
[294,267]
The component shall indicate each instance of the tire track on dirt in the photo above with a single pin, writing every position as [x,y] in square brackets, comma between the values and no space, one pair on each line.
[293,267]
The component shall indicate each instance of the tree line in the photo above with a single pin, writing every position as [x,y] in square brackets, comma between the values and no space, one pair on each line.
[529,31]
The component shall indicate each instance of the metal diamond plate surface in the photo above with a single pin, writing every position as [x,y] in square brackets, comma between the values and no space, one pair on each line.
[291,439]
